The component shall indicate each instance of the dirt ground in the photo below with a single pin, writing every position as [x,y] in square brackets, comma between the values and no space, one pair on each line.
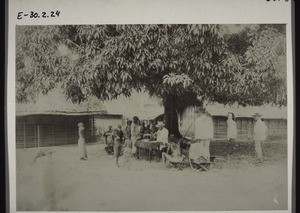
[62,182]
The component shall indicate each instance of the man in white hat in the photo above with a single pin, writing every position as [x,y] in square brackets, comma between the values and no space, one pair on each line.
[259,135]
[162,134]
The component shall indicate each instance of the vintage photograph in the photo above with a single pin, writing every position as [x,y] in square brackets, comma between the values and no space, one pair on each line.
[151,117]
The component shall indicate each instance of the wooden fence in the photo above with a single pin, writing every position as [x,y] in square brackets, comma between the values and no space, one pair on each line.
[51,130]
[276,128]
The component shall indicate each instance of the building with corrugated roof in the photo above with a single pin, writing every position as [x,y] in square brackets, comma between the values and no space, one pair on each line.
[52,119]
[275,119]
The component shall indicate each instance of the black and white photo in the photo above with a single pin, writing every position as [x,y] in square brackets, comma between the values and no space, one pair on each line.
[150,115]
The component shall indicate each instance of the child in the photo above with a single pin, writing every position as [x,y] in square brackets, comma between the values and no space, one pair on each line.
[109,141]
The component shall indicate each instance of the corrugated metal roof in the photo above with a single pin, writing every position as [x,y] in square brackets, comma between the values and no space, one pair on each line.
[56,103]
[59,113]
[267,111]
[138,104]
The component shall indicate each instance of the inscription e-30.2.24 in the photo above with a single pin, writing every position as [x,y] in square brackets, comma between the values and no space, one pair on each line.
[32,14]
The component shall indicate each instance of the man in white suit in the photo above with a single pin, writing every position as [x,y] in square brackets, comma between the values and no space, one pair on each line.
[259,135]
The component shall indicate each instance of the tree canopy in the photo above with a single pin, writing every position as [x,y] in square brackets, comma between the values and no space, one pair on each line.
[183,64]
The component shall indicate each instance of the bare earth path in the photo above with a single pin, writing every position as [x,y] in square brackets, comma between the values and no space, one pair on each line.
[97,185]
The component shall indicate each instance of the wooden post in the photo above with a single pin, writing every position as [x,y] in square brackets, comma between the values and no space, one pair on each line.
[194,121]
[217,127]
[93,128]
[65,129]
[38,135]
[35,136]
[53,121]
[24,131]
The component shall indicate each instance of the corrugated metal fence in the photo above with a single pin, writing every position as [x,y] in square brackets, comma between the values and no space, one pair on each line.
[51,130]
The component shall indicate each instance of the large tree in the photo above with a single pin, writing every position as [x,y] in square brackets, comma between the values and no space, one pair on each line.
[183,64]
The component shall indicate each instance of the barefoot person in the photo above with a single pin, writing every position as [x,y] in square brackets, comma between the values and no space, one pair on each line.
[117,137]
[175,156]
[127,152]
[107,134]
[81,142]
[109,141]
[231,133]
[121,133]
[128,130]
[142,129]
[135,133]
[259,134]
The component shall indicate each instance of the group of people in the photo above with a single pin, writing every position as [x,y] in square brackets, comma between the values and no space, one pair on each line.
[135,130]
[204,132]
[170,150]
[259,134]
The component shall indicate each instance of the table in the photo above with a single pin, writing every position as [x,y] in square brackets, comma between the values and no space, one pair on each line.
[148,145]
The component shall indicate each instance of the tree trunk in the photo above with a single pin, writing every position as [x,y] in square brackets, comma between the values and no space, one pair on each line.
[170,115]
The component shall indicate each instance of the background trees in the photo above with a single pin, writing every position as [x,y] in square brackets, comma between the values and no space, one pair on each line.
[182,64]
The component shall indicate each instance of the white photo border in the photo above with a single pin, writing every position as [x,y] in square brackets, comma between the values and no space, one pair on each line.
[147,12]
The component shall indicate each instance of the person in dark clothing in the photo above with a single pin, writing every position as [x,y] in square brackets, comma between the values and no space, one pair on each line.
[147,130]
[121,134]
[107,134]
[128,130]
[109,141]
[142,129]
[117,138]
[153,128]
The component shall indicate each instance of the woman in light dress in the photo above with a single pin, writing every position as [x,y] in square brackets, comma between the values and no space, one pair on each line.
[231,133]
[81,142]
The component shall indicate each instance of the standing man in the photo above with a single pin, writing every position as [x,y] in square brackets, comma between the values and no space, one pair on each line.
[142,129]
[121,133]
[152,128]
[259,134]
[135,132]
[204,131]
[128,130]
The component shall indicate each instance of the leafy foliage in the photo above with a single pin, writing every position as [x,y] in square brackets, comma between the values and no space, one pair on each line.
[191,63]
[264,69]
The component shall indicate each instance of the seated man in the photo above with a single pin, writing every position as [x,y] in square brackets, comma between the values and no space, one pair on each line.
[162,136]
[199,155]
[175,157]
[199,150]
